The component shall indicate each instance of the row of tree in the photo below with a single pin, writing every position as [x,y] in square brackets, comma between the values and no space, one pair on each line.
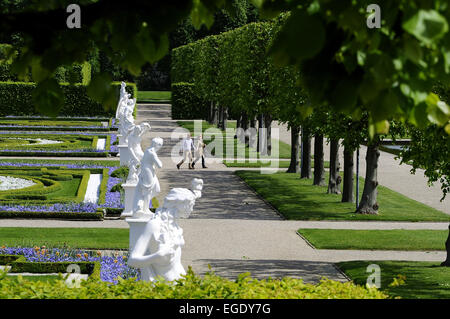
[233,71]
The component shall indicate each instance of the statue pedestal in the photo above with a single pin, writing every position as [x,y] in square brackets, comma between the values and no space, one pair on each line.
[129,196]
[137,227]
[124,154]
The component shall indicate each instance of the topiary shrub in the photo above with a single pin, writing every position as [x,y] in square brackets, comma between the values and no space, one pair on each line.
[186,105]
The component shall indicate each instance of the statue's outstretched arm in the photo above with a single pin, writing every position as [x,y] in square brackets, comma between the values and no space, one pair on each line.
[157,160]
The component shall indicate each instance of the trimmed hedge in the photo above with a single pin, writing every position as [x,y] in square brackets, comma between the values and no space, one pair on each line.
[16,99]
[52,215]
[186,104]
[19,264]
[190,287]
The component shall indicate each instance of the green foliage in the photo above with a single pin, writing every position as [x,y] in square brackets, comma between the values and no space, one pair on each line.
[191,287]
[390,71]
[16,98]
[121,172]
[186,104]
[429,150]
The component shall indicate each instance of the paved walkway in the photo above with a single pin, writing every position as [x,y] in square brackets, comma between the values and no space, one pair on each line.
[233,230]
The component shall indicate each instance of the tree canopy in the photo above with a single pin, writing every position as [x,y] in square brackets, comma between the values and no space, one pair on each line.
[388,72]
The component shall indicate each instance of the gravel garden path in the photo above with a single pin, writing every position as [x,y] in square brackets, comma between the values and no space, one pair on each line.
[235,231]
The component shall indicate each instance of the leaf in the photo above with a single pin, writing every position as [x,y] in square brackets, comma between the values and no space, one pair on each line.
[100,89]
[426,25]
[412,50]
[438,111]
[201,15]
[301,37]
[48,97]
[419,115]
[447,129]
[344,95]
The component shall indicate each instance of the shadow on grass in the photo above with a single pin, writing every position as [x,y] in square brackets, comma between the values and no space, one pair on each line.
[423,279]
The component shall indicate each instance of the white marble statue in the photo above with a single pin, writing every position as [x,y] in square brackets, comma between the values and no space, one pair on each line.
[122,95]
[148,184]
[157,252]
[126,120]
[134,138]
[135,150]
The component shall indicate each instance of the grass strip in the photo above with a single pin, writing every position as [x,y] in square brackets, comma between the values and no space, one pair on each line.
[298,199]
[419,279]
[86,238]
[398,239]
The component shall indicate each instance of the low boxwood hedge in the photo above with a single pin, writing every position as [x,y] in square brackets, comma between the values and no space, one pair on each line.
[190,287]
[186,104]
[99,215]
[19,264]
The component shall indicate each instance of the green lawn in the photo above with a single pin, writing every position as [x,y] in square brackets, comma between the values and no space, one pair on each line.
[398,239]
[154,96]
[281,164]
[298,199]
[86,238]
[422,279]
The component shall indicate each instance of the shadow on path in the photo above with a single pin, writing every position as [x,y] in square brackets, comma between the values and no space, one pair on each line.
[309,271]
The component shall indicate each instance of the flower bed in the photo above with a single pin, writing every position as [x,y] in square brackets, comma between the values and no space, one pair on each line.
[66,144]
[108,200]
[49,260]
[38,123]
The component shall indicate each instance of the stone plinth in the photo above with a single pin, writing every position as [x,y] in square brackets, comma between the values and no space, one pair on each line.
[137,226]
[121,139]
[125,155]
[129,190]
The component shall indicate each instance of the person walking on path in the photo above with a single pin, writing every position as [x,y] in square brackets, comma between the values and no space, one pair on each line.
[199,145]
[186,146]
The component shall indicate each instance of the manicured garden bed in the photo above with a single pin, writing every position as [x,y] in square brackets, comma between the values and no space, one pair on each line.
[35,123]
[418,279]
[64,144]
[398,239]
[41,259]
[59,190]
[298,199]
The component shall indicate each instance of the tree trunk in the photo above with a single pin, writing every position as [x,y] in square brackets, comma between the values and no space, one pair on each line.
[211,112]
[220,116]
[268,127]
[215,114]
[319,170]
[294,166]
[334,180]
[347,189]
[223,124]
[243,138]
[261,147]
[238,121]
[305,169]
[447,246]
[368,204]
